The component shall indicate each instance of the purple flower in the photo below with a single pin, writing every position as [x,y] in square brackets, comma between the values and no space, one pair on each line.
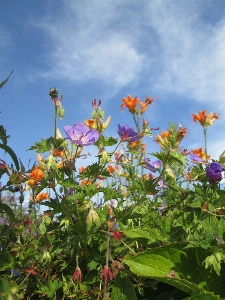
[81,135]
[152,166]
[196,158]
[127,134]
[213,172]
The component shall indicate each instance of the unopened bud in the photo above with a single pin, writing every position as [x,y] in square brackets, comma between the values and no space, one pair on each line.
[53,93]
[60,112]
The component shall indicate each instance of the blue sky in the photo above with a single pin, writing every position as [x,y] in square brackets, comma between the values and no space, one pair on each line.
[172,50]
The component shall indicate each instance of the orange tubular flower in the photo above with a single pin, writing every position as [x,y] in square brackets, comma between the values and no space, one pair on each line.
[204,119]
[145,105]
[130,103]
[182,133]
[42,196]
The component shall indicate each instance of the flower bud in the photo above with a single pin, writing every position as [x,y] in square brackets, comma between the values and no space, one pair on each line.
[46,256]
[53,93]
[60,112]
[92,218]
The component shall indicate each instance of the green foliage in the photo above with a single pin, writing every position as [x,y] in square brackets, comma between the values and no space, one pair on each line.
[112,230]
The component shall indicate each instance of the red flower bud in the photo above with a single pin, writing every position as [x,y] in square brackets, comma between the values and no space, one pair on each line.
[77,275]
[117,235]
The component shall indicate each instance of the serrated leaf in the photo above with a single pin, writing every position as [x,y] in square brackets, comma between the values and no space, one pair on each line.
[179,157]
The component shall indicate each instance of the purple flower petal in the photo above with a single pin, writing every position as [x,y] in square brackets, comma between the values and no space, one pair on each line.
[195,157]
[127,134]
[81,135]
[213,172]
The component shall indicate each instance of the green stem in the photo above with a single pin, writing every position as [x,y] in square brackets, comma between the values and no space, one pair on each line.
[55,117]
[205,139]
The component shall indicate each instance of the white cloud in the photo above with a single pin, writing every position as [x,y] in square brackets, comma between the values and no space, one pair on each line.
[193,52]
[86,48]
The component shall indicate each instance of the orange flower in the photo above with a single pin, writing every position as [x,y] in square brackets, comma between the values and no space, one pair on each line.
[130,103]
[200,152]
[85,182]
[90,123]
[182,133]
[204,119]
[42,196]
[81,169]
[110,169]
[32,182]
[58,153]
[145,105]
[136,145]
[36,174]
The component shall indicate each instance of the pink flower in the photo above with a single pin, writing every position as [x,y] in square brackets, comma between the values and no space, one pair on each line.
[117,235]
[106,275]
[77,275]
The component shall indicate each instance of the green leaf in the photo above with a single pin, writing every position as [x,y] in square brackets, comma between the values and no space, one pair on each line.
[203,296]
[42,228]
[43,145]
[179,267]
[4,82]
[50,290]
[123,290]
[5,208]
[12,154]
[106,141]
[178,157]
[137,233]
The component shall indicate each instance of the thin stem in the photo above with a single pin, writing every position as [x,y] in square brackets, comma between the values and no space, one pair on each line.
[205,139]
[55,116]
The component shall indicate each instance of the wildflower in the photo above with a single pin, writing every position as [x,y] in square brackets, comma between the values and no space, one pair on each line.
[81,135]
[85,182]
[58,153]
[127,134]
[134,146]
[196,158]
[152,166]
[81,169]
[117,235]
[213,172]
[204,119]
[162,185]
[77,275]
[145,105]
[90,123]
[200,153]
[42,196]
[70,192]
[110,169]
[37,174]
[106,275]
[181,133]
[130,103]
